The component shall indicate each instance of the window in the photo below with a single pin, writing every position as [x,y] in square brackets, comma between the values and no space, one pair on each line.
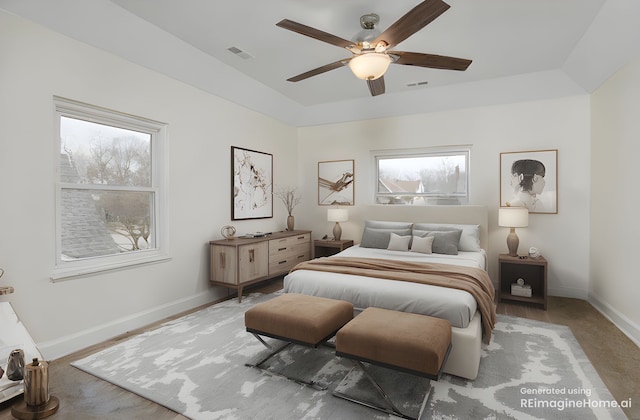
[420,177]
[110,189]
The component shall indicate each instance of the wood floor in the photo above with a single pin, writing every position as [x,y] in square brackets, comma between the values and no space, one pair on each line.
[615,357]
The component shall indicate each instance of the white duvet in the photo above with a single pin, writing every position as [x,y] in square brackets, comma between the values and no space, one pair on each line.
[457,306]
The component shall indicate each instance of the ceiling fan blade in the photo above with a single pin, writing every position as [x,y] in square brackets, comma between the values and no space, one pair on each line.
[430,60]
[376,87]
[314,33]
[319,70]
[414,20]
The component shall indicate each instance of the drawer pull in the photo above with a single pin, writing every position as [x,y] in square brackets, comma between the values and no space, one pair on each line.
[282,249]
[282,262]
[252,255]
[301,237]
[222,260]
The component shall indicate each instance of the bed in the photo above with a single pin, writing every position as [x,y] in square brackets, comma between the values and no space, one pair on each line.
[394,239]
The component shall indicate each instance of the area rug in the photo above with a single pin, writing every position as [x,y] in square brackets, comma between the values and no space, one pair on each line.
[195,365]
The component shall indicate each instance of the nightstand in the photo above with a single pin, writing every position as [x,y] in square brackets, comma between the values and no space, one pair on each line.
[532,270]
[327,247]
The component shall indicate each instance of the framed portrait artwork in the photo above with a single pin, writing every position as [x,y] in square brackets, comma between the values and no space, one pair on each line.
[335,183]
[530,179]
[251,184]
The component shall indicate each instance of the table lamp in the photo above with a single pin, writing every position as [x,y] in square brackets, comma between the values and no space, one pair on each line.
[337,215]
[513,217]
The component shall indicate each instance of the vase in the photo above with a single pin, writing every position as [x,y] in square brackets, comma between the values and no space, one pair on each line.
[290,222]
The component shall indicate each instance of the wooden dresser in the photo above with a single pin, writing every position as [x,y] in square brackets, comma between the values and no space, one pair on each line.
[241,262]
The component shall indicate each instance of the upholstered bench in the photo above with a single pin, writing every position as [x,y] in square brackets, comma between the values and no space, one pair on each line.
[411,343]
[297,319]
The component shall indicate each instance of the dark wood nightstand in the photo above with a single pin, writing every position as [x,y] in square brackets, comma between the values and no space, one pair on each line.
[532,270]
[327,247]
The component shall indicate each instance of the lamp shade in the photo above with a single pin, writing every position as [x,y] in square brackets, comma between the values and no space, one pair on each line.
[369,66]
[513,217]
[337,215]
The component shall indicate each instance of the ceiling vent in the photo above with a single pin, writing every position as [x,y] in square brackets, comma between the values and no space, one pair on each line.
[242,54]
[417,84]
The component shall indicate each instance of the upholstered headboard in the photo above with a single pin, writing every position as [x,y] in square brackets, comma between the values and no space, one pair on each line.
[476,215]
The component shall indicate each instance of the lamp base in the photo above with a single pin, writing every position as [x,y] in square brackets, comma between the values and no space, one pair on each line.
[23,411]
[337,232]
[512,242]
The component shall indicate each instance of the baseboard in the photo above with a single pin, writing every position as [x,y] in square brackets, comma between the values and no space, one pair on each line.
[627,326]
[66,345]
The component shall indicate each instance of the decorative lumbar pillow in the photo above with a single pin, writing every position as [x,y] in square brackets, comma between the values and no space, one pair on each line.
[469,240]
[444,242]
[398,243]
[379,237]
[422,244]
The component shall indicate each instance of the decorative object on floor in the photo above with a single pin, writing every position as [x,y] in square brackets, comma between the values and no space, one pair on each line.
[228,232]
[13,335]
[513,217]
[290,198]
[335,183]
[251,184]
[530,179]
[337,215]
[37,403]
[524,356]
[15,365]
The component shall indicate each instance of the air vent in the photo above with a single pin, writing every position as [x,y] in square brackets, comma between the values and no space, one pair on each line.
[242,54]
[417,84]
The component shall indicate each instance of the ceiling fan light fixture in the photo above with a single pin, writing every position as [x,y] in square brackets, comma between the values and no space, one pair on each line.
[369,66]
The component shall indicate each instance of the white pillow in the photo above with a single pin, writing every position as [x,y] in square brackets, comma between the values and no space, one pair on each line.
[398,243]
[423,245]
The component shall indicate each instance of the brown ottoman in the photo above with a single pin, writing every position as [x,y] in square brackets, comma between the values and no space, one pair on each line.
[301,319]
[411,343]
[296,319]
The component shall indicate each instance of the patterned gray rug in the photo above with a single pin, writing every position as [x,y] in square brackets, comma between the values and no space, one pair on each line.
[195,365]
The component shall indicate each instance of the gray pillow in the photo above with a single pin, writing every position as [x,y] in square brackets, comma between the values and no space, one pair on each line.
[469,240]
[378,224]
[379,238]
[444,242]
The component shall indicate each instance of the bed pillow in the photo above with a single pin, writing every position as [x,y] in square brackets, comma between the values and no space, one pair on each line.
[423,245]
[444,241]
[398,243]
[376,233]
[379,224]
[469,240]
[379,238]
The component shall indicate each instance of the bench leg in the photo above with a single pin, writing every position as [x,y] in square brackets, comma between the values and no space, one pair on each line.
[310,384]
[391,409]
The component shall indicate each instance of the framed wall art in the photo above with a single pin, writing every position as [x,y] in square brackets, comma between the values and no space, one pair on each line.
[530,179]
[251,184]
[335,182]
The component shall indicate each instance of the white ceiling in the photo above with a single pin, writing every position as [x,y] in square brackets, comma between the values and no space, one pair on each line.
[521,49]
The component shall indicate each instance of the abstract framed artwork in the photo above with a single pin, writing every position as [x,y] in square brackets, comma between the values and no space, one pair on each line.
[530,179]
[251,184]
[336,183]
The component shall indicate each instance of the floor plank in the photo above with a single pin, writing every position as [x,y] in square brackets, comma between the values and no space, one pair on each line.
[614,355]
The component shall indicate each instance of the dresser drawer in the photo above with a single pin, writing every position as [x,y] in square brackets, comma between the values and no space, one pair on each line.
[282,244]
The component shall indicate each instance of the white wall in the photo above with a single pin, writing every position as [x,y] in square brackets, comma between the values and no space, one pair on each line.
[615,199]
[561,124]
[68,315]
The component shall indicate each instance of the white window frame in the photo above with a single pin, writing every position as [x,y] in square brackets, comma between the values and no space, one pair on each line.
[73,109]
[433,198]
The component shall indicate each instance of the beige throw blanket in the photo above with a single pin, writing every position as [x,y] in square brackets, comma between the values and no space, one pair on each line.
[470,279]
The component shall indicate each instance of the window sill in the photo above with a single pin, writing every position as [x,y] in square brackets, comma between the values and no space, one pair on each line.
[83,270]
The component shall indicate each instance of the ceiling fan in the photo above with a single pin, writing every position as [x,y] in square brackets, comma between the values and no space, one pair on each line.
[372,52]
